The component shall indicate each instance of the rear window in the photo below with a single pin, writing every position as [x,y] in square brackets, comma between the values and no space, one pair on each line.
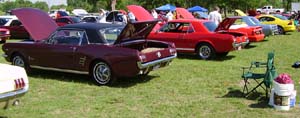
[211,26]
[111,34]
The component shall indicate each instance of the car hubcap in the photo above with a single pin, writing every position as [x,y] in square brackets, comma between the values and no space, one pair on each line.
[101,73]
[280,30]
[204,52]
[18,61]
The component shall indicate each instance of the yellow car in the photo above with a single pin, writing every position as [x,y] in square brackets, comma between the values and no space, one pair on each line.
[284,25]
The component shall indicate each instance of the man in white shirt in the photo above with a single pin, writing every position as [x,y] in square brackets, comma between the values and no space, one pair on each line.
[169,16]
[131,16]
[154,14]
[215,15]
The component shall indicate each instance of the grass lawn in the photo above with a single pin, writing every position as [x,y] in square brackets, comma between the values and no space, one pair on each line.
[187,88]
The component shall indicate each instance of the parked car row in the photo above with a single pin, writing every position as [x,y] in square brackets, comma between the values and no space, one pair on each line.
[107,51]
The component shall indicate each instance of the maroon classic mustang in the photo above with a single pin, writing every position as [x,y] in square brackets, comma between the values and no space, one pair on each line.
[105,51]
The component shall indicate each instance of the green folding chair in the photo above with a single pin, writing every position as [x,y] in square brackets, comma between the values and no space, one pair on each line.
[264,79]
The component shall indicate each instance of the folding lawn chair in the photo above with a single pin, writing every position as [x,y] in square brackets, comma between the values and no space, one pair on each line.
[249,73]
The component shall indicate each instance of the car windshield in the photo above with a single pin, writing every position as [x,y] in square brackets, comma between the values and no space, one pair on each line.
[3,21]
[75,19]
[211,26]
[111,34]
[280,17]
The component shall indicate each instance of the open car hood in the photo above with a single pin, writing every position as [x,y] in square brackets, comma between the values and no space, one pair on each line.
[183,13]
[137,30]
[37,22]
[226,23]
[240,13]
[140,13]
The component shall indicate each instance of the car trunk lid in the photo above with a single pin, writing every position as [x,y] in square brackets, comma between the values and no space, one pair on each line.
[136,30]
[226,23]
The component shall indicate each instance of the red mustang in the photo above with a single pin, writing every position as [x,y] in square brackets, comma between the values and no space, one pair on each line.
[254,33]
[194,35]
[105,51]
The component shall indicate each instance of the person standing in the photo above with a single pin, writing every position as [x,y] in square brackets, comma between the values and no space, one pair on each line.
[131,17]
[215,15]
[154,14]
[169,15]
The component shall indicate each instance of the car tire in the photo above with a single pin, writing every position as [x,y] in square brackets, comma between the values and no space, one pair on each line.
[205,51]
[19,60]
[102,73]
[280,30]
[222,54]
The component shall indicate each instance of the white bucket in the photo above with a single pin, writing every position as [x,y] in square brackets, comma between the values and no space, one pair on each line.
[281,102]
[282,95]
[283,89]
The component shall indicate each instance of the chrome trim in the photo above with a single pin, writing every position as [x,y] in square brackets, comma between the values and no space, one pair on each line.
[60,70]
[155,62]
[4,55]
[191,49]
[236,45]
[14,94]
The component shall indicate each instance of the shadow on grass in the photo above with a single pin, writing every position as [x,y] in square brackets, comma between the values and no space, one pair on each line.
[236,93]
[61,76]
[85,79]
[3,117]
[128,82]
[249,46]
[194,57]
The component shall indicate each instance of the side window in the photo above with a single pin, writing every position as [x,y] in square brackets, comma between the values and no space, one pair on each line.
[67,37]
[15,23]
[262,19]
[270,19]
[177,28]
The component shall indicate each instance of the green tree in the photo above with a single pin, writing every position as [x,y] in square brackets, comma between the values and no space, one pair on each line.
[41,5]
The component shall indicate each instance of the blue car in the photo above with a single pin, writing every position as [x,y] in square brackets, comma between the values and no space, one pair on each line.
[267,29]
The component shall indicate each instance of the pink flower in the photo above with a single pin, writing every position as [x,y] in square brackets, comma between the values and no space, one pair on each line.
[284,79]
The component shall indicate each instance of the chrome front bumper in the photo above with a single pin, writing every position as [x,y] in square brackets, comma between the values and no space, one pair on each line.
[155,62]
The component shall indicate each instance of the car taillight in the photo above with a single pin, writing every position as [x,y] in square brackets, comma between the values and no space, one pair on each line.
[8,32]
[19,83]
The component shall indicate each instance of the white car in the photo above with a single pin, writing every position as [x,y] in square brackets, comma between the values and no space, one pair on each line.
[13,84]
[17,30]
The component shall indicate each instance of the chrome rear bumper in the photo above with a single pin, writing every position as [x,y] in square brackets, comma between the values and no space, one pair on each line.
[237,45]
[155,62]
[13,94]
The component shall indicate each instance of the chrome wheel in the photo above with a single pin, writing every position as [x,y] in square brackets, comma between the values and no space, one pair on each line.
[101,73]
[18,61]
[204,52]
[280,30]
